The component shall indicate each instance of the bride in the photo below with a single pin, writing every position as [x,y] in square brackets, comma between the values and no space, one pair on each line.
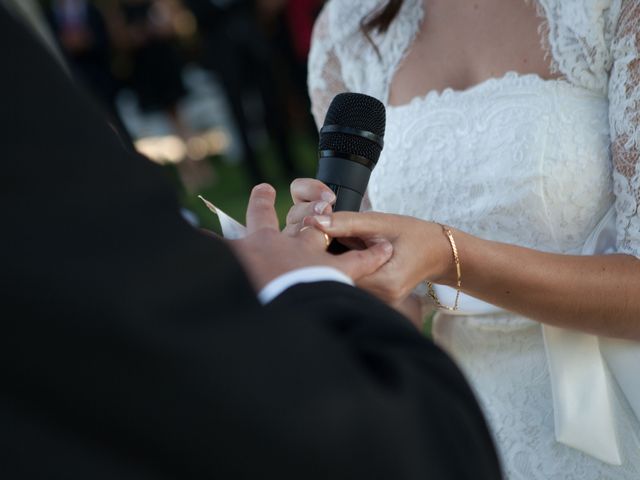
[513,142]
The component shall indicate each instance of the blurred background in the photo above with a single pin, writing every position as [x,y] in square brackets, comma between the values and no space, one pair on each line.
[213,90]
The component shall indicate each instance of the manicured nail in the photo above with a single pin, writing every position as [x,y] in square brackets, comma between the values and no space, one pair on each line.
[320,207]
[328,197]
[323,220]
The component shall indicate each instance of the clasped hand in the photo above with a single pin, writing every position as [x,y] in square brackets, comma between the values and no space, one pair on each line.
[267,253]
[420,250]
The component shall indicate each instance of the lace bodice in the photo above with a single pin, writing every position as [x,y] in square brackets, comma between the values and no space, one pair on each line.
[594,45]
[543,182]
[516,159]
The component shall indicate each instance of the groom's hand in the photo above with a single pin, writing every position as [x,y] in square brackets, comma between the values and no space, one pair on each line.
[267,253]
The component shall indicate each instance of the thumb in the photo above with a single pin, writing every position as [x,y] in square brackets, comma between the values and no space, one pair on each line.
[261,211]
[361,263]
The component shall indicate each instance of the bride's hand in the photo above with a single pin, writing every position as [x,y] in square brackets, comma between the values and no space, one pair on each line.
[421,251]
[310,197]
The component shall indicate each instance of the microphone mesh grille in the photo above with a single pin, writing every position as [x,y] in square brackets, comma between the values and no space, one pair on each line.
[358,111]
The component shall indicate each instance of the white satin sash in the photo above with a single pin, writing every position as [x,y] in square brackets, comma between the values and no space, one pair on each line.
[581,367]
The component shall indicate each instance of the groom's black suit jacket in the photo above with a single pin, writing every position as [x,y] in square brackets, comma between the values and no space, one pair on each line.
[133,347]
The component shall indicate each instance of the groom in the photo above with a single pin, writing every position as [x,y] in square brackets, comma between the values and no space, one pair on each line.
[134,347]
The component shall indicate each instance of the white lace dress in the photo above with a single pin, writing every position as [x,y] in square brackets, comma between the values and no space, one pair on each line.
[515,159]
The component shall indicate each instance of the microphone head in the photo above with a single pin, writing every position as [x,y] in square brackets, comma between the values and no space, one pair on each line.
[358,114]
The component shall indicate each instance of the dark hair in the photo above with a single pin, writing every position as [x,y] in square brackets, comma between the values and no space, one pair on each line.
[380,19]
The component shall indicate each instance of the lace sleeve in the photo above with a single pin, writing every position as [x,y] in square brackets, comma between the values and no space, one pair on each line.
[325,72]
[624,113]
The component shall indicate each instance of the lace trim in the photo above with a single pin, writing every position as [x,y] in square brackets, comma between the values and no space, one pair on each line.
[544,33]
[579,35]
[624,116]
[325,71]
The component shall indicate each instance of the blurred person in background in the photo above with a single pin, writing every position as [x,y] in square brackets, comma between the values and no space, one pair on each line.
[157,64]
[299,18]
[146,33]
[237,48]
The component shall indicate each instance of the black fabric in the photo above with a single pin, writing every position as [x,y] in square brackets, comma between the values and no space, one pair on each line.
[133,347]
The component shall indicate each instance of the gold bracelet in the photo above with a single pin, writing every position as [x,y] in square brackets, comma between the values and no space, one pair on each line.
[456,260]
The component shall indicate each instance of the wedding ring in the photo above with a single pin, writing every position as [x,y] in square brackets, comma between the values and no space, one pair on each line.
[327,238]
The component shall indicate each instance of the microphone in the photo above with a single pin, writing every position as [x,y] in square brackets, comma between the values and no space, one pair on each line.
[351,140]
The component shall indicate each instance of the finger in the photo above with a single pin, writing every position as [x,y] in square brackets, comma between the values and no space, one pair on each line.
[261,212]
[311,190]
[298,212]
[361,263]
[352,243]
[351,224]
[292,229]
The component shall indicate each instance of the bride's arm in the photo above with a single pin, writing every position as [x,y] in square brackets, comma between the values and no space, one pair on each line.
[595,294]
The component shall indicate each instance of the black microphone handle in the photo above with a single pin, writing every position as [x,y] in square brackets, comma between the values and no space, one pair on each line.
[347,200]
[348,180]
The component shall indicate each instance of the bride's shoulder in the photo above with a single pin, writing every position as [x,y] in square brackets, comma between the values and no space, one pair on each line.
[580,33]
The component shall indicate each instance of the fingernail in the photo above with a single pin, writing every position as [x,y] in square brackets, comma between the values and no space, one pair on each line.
[323,220]
[328,197]
[320,207]
[264,187]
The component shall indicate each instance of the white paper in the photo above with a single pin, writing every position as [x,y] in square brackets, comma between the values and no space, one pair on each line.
[230,228]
